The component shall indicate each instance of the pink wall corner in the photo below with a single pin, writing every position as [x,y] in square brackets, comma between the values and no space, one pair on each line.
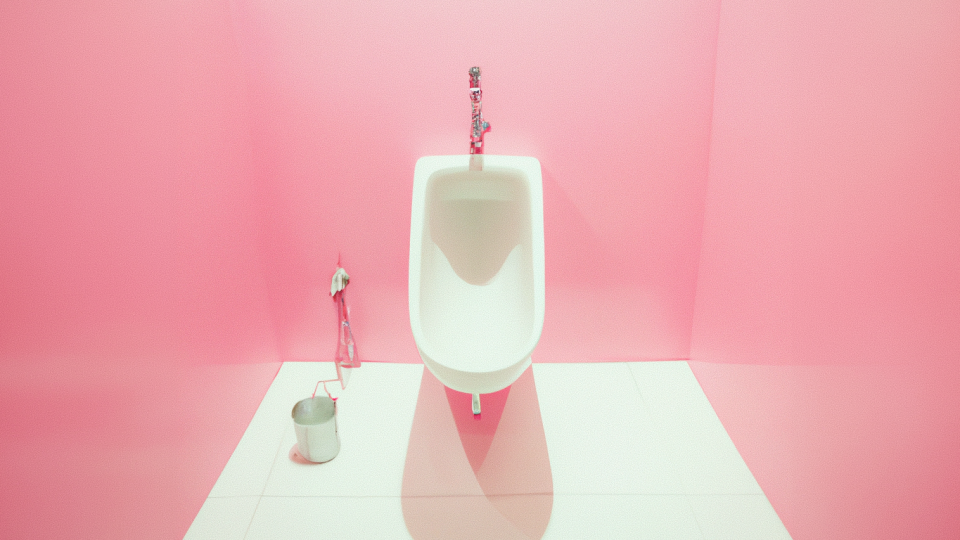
[614,100]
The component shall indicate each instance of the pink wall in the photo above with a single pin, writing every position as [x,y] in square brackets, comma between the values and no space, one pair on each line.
[132,305]
[832,230]
[128,218]
[613,99]
[829,285]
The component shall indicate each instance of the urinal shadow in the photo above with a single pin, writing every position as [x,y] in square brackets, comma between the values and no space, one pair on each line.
[476,431]
[486,477]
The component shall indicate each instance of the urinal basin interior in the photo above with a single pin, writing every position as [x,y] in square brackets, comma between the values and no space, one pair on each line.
[477,219]
[477,293]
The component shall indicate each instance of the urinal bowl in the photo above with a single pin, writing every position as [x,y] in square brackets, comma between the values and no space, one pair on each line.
[476,282]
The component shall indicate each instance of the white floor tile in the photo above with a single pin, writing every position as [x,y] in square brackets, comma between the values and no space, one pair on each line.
[374,417]
[225,518]
[637,517]
[343,518]
[737,517]
[600,438]
[705,458]
[635,451]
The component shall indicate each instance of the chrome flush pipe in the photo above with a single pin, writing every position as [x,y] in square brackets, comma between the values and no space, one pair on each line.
[478,126]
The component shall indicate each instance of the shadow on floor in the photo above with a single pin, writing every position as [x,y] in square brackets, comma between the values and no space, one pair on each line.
[477,477]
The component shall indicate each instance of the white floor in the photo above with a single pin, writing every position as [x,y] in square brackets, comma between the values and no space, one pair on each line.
[635,450]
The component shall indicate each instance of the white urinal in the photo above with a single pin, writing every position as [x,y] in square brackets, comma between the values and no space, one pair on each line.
[476,281]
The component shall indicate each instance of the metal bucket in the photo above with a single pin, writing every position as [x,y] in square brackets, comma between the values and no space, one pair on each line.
[315,421]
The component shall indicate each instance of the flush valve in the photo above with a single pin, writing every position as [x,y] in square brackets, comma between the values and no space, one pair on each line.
[477,125]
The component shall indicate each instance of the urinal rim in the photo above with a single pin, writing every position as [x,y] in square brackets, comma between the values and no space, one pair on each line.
[425,167]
